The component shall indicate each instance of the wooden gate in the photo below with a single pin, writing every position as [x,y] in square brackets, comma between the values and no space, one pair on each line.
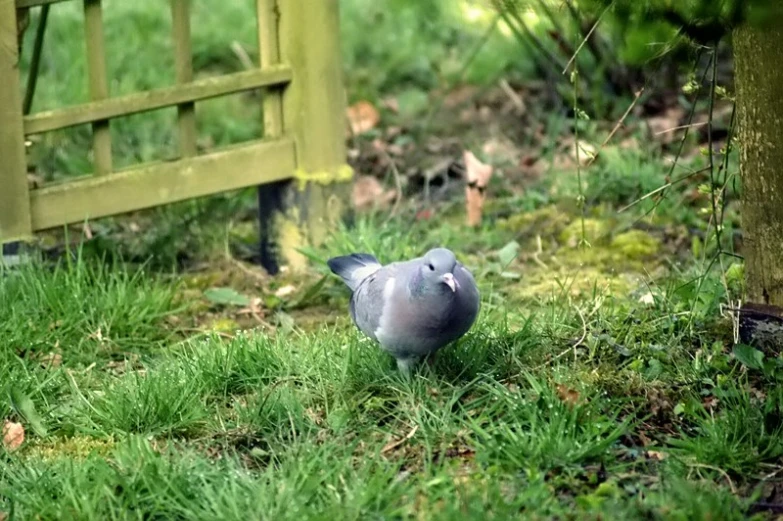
[300,162]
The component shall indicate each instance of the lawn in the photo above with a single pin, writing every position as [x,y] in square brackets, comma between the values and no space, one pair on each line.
[157,374]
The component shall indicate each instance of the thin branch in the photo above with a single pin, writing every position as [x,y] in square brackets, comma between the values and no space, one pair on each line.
[617,126]
[711,156]
[584,41]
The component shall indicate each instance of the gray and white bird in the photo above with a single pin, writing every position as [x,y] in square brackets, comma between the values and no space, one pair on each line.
[411,308]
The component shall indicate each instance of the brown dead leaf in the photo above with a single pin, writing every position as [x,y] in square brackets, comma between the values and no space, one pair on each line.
[96,335]
[87,231]
[655,455]
[391,104]
[3,516]
[710,403]
[459,96]
[664,126]
[284,291]
[477,175]
[586,152]
[13,435]
[52,360]
[369,193]
[363,116]
[394,444]
[501,150]
[567,395]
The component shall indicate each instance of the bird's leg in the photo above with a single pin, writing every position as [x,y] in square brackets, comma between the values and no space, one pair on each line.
[405,365]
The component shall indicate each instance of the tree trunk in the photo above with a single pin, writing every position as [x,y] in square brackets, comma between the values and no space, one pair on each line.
[759,90]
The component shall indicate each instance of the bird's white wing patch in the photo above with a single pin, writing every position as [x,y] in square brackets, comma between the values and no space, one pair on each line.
[388,290]
[365,271]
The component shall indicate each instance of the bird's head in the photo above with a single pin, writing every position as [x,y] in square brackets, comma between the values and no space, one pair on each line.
[437,268]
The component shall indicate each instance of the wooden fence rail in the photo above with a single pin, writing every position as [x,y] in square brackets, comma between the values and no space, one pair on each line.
[299,163]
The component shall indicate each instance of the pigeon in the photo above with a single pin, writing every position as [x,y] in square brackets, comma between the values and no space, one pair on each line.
[411,308]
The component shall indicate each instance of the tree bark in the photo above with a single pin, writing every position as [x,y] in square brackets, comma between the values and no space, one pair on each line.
[759,95]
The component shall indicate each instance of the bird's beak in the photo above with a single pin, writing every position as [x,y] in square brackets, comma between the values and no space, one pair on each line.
[449,280]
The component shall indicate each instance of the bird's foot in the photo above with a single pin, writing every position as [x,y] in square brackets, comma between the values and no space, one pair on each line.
[405,365]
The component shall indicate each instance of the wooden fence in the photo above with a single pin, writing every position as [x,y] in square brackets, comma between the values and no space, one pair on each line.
[299,163]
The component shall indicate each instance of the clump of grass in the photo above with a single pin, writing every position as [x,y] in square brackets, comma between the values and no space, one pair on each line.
[538,430]
[90,309]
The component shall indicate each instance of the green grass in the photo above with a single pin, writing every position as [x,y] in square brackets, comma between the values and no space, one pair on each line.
[511,422]
[598,383]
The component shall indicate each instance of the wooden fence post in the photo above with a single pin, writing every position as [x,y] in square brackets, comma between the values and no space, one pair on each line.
[14,195]
[314,116]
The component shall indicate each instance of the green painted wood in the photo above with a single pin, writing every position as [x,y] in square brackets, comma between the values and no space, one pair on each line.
[14,198]
[183,63]
[155,99]
[314,105]
[314,115]
[269,55]
[161,183]
[32,3]
[98,83]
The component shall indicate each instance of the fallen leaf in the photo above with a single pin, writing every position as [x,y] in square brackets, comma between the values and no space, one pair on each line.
[586,152]
[501,150]
[363,116]
[96,335]
[87,231]
[567,395]
[227,296]
[13,435]
[477,175]
[423,215]
[647,299]
[52,360]
[508,253]
[664,126]
[710,403]
[459,96]
[654,454]
[368,192]
[3,516]
[391,103]
[284,291]
[394,444]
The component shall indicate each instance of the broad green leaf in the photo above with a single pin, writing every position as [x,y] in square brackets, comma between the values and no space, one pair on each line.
[25,408]
[227,296]
[749,356]
[508,253]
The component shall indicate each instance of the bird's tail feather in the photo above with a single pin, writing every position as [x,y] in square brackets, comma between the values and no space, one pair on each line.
[354,268]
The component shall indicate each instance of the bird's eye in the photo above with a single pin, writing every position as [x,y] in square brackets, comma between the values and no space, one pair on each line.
[431,267]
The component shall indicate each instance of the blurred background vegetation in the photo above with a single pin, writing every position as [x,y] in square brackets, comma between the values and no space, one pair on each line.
[440,75]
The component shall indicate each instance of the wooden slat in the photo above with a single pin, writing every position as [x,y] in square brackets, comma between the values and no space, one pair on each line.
[269,54]
[162,183]
[99,85]
[14,198]
[183,62]
[155,99]
[33,3]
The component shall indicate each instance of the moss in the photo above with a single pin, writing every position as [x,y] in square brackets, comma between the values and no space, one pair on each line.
[341,174]
[78,447]
[596,232]
[224,325]
[546,221]
[571,281]
[635,245]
